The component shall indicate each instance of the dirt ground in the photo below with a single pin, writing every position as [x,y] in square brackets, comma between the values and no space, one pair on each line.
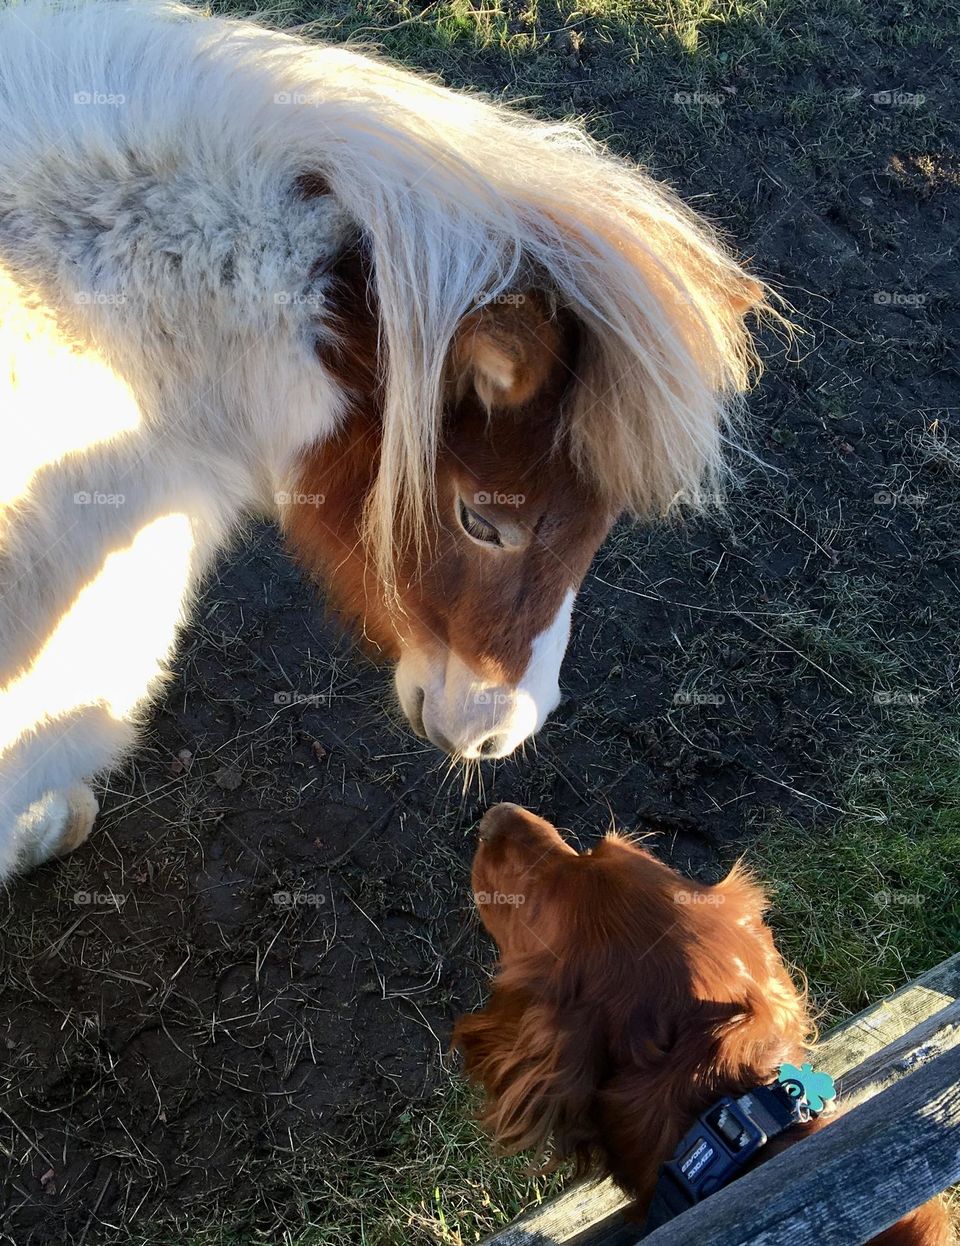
[264,947]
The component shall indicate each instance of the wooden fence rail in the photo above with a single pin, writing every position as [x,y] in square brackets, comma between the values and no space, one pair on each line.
[898,1068]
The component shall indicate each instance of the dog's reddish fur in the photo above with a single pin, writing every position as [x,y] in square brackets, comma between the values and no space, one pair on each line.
[628,1000]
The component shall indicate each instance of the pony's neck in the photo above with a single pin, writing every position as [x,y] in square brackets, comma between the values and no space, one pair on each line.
[184,256]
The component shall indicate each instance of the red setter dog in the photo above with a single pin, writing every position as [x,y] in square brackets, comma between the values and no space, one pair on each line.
[629,1000]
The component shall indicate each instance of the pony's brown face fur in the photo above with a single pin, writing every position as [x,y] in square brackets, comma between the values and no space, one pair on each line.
[480,619]
[628,998]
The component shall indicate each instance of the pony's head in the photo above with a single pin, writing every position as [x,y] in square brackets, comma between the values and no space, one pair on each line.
[532,337]
[477,618]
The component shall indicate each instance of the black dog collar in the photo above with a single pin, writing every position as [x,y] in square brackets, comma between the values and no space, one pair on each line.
[728,1135]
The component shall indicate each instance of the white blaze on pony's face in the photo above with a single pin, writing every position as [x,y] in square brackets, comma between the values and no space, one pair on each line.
[481,618]
[470,716]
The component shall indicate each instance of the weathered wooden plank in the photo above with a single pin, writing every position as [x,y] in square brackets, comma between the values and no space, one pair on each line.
[852,1041]
[842,1185]
[925,1042]
[591,1214]
[587,1213]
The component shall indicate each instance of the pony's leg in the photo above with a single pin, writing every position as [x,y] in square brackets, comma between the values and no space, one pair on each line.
[75,709]
[56,824]
[46,807]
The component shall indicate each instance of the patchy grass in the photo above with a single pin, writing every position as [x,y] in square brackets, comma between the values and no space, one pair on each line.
[429,1179]
[873,900]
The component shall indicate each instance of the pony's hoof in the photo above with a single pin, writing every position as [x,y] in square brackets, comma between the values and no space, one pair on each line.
[57,824]
[82,810]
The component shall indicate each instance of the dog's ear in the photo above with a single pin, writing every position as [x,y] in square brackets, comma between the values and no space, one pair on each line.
[539,1065]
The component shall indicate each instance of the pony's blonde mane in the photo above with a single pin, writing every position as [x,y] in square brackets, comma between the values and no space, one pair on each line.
[460,199]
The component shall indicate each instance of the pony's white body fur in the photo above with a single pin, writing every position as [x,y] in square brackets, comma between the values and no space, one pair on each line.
[158,316]
[168,394]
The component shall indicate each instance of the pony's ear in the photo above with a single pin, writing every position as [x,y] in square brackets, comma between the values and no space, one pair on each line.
[511,350]
[539,1066]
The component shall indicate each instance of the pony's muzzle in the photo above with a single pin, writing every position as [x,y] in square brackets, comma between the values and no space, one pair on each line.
[475,717]
[448,705]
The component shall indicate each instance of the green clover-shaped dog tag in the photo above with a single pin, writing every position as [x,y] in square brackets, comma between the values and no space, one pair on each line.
[807,1085]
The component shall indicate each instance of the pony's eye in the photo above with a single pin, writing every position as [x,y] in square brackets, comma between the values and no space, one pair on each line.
[476,526]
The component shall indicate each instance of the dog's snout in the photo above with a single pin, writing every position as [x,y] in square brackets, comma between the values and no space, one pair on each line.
[530,837]
[497,818]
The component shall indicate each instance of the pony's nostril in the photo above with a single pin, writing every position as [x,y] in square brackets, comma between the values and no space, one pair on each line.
[490,747]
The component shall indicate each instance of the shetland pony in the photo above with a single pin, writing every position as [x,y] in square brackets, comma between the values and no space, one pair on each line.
[444,345]
[628,1000]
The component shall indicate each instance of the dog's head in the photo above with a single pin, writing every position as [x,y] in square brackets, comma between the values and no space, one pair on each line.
[628,998]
